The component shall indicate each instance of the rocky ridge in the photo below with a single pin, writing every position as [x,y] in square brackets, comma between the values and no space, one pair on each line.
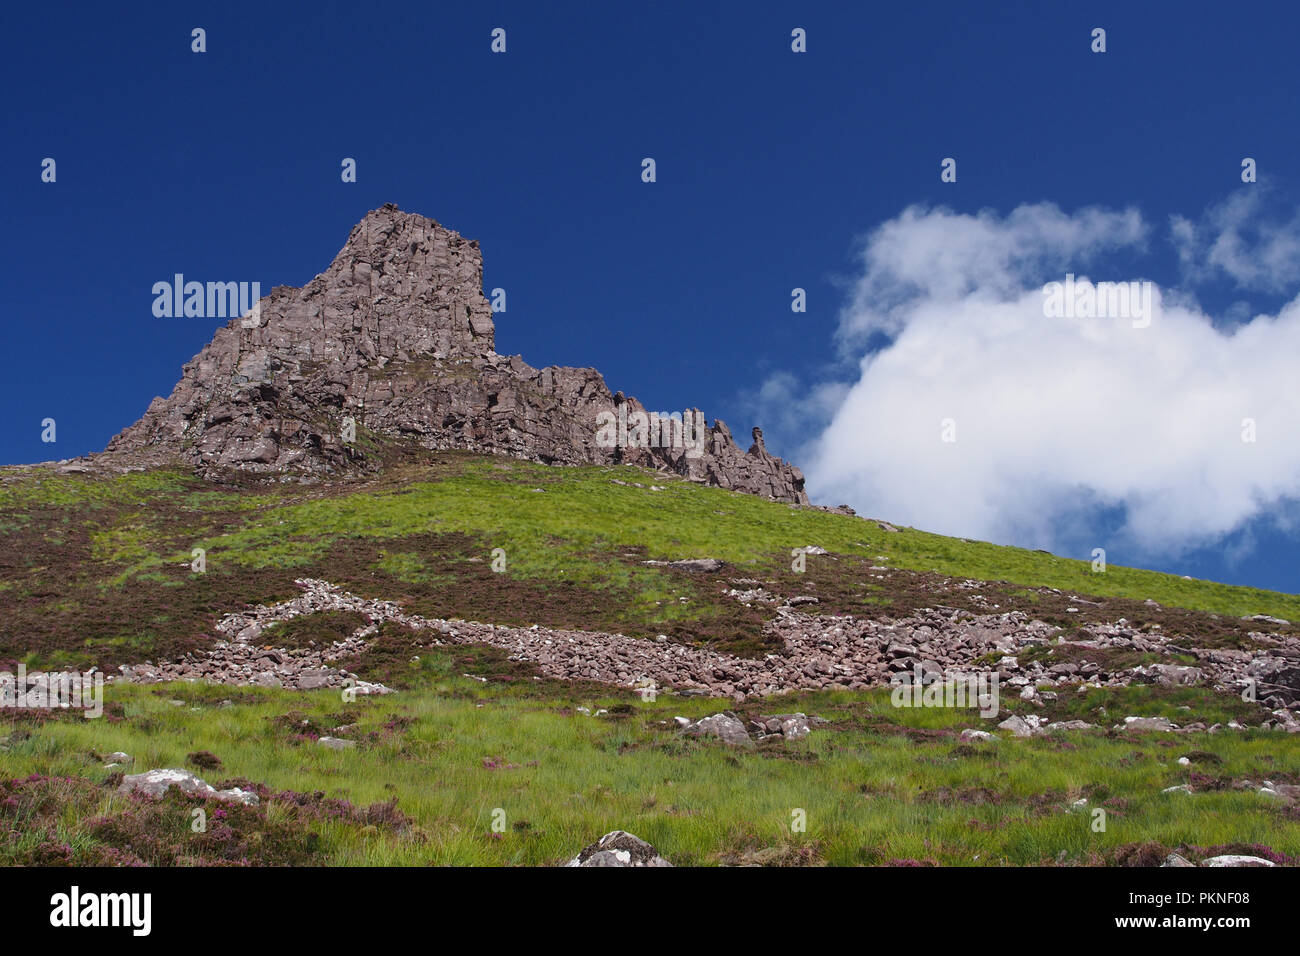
[395,341]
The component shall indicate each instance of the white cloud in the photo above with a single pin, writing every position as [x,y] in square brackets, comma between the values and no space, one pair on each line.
[944,256]
[1056,418]
[1240,239]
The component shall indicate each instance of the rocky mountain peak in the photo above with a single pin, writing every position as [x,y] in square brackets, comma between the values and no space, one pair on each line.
[402,286]
[395,341]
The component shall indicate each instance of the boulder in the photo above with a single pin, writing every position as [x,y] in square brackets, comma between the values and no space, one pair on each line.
[1146,724]
[1070,725]
[618,848]
[314,678]
[1266,619]
[701,565]
[1176,675]
[155,783]
[1018,726]
[725,726]
[1233,859]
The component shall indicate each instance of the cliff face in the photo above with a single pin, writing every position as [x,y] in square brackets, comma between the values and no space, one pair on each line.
[396,338]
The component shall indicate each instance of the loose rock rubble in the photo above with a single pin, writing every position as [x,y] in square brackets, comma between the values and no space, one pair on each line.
[241,660]
[787,726]
[728,728]
[703,565]
[619,848]
[819,652]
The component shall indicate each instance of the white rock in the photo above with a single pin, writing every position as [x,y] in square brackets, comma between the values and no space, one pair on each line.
[155,783]
[1231,859]
[618,848]
[1018,727]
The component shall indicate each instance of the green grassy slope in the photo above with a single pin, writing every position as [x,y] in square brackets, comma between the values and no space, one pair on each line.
[98,570]
[879,786]
[75,546]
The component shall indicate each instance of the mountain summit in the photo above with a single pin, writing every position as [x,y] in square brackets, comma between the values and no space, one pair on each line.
[394,342]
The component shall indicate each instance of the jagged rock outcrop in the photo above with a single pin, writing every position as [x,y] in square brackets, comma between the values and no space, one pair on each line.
[396,340]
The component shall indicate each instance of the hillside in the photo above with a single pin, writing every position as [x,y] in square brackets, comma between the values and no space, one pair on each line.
[96,569]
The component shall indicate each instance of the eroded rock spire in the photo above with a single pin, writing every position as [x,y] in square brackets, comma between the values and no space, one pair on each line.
[395,341]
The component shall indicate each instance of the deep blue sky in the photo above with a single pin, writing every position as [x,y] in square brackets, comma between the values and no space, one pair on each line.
[771,166]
